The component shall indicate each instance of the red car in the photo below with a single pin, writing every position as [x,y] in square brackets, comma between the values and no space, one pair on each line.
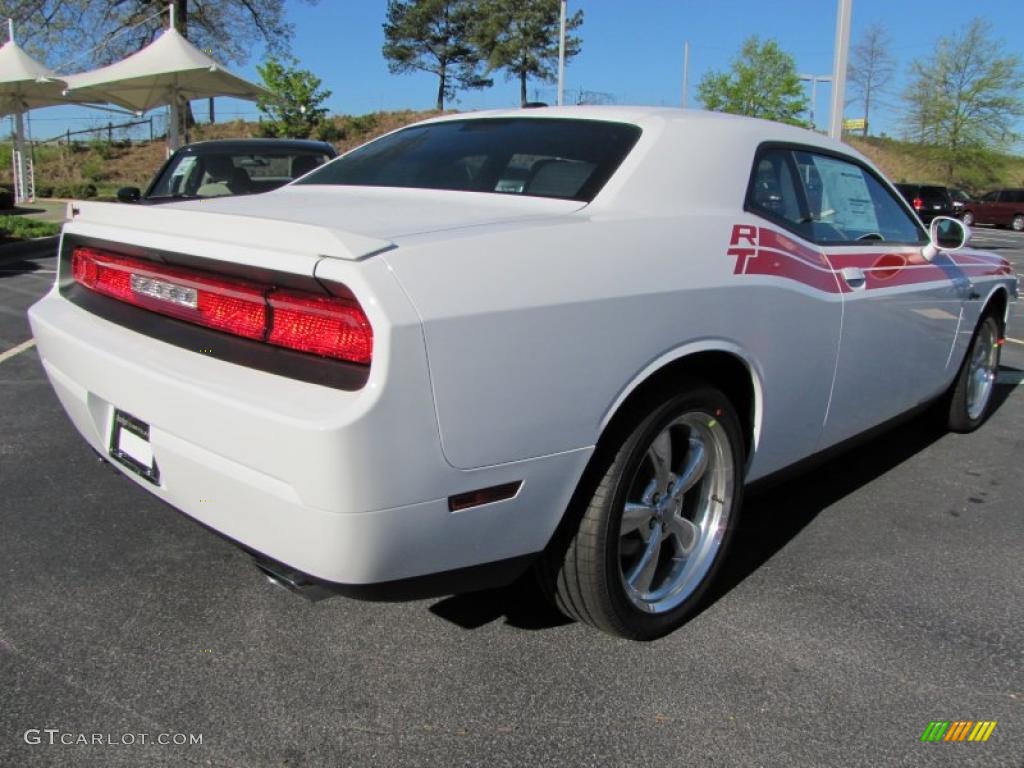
[1002,207]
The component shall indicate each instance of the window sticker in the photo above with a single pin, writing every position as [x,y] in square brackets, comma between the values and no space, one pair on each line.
[184,166]
[846,201]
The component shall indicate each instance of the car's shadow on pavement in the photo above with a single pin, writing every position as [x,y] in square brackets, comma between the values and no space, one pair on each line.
[20,267]
[20,256]
[772,517]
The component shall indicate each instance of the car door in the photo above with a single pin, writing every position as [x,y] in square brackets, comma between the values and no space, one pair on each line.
[1011,201]
[999,214]
[900,312]
[793,308]
[987,208]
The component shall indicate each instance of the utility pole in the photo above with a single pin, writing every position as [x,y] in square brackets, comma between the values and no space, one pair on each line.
[843,13]
[686,70]
[561,54]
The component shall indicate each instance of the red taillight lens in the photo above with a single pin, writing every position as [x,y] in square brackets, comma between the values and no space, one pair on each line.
[224,305]
[319,325]
[918,203]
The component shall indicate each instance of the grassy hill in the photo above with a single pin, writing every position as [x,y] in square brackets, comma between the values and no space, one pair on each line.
[97,168]
[906,161]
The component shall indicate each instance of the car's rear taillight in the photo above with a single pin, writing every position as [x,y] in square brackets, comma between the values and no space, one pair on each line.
[918,203]
[319,325]
[224,305]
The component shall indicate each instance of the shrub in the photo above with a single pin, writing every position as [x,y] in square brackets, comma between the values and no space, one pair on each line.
[330,132]
[362,124]
[18,227]
[79,190]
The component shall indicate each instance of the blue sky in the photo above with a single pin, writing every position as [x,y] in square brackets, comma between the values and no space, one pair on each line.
[631,50]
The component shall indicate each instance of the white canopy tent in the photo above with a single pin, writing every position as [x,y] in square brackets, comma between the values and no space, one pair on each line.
[169,71]
[25,84]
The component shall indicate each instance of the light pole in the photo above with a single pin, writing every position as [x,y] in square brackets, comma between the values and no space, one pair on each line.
[686,70]
[843,13]
[561,54]
[814,80]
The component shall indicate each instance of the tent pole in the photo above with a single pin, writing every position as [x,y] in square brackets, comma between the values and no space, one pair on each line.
[20,192]
[174,118]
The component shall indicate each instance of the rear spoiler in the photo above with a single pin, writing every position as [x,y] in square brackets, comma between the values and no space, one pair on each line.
[143,224]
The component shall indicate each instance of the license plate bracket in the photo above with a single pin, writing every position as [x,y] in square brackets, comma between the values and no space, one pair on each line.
[130,446]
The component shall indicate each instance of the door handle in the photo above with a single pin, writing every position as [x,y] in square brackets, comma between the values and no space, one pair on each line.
[854,277]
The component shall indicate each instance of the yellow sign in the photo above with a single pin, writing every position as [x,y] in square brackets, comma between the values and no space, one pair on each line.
[854,124]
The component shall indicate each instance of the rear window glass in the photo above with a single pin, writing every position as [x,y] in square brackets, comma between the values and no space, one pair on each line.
[934,194]
[216,174]
[538,157]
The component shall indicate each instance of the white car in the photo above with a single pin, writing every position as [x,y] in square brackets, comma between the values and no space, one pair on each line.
[562,338]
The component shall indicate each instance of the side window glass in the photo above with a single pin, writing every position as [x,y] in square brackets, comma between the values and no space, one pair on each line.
[773,190]
[990,197]
[848,205]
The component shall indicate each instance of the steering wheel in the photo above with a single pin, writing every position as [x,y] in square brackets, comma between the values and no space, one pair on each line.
[871,236]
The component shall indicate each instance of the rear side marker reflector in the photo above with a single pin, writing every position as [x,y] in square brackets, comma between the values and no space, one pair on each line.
[318,325]
[483,496]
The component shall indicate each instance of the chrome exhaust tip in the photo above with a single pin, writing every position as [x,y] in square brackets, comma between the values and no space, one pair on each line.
[280,575]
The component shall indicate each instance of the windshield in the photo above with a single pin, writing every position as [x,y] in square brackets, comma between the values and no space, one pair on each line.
[539,157]
[216,174]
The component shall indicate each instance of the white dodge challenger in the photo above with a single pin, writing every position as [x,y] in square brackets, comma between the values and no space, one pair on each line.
[560,338]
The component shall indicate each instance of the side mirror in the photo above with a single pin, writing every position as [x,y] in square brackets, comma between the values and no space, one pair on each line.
[945,234]
[129,194]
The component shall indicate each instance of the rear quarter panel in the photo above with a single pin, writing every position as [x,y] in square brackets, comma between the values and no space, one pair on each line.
[533,334]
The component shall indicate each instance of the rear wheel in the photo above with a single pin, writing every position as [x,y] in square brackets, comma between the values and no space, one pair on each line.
[971,398]
[1018,223]
[969,218]
[655,527]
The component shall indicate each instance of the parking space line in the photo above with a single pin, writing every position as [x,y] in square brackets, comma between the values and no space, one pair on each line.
[1015,341]
[17,350]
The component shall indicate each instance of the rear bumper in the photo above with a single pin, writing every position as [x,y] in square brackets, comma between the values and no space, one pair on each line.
[349,487]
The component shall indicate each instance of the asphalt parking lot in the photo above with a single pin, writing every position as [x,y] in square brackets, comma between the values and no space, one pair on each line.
[879,593]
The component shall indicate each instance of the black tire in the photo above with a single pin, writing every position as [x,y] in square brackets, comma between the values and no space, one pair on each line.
[968,218]
[1018,223]
[963,413]
[582,570]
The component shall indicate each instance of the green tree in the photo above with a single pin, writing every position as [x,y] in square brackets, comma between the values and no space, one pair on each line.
[870,69]
[521,37]
[763,82]
[295,110]
[63,33]
[433,36]
[965,99]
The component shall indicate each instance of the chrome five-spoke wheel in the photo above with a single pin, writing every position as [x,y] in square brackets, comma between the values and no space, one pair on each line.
[675,512]
[971,396]
[653,517]
[982,369]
